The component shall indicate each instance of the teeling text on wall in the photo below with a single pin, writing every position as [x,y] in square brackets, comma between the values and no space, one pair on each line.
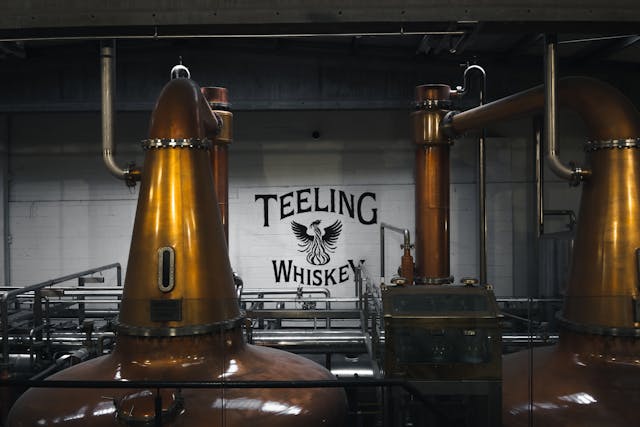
[319,221]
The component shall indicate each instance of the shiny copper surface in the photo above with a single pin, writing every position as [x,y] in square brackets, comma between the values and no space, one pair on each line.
[427,127]
[177,209]
[604,276]
[219,163]
[432,212]
[591,377]
[218,96]
[431,184]
[214,357]
[603,282]
[182,112]
[407,266]
[218,99]
[432,92]
[607,113]
[585,380]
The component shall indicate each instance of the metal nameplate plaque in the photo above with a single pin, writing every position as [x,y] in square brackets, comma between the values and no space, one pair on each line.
[165,310]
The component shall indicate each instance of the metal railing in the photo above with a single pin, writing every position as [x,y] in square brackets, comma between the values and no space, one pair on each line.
[345,320]
[40,314]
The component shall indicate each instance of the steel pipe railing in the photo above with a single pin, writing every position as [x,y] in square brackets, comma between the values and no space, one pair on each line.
[7,296]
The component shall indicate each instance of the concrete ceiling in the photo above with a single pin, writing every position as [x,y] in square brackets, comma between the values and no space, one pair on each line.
[298,54]
[170,18]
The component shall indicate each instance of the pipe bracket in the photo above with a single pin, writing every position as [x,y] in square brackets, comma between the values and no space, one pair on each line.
[578,175]
[132,174]
[447,125]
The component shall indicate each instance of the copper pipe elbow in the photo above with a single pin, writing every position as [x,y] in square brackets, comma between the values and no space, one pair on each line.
[607,112]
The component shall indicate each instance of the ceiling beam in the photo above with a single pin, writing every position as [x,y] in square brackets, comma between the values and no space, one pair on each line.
[49,18]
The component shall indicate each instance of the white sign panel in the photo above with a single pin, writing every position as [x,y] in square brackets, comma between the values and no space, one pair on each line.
[304,236]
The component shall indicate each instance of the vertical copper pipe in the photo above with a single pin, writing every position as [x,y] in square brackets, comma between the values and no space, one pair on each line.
[432,212]
[219,163]
[432,185]
[218,100]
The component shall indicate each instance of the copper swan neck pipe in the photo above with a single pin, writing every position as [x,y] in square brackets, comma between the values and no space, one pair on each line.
[607,113]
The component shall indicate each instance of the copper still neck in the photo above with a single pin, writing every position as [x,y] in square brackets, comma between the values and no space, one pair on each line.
[431,185]
[179,279]
[218,99]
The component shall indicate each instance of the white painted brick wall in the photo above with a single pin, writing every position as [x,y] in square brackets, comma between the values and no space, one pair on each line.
[67,214]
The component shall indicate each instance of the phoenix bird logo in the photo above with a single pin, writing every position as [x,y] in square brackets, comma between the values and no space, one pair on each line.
[317,245]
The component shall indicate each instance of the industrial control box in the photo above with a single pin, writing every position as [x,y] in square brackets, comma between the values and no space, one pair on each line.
[446,341]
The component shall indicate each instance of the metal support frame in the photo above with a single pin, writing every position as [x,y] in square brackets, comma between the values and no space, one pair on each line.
[12,295]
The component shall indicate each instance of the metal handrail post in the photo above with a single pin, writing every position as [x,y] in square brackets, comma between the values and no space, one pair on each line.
[5,329]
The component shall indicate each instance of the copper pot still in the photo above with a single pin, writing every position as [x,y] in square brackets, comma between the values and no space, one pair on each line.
[179,316]
[591,378]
